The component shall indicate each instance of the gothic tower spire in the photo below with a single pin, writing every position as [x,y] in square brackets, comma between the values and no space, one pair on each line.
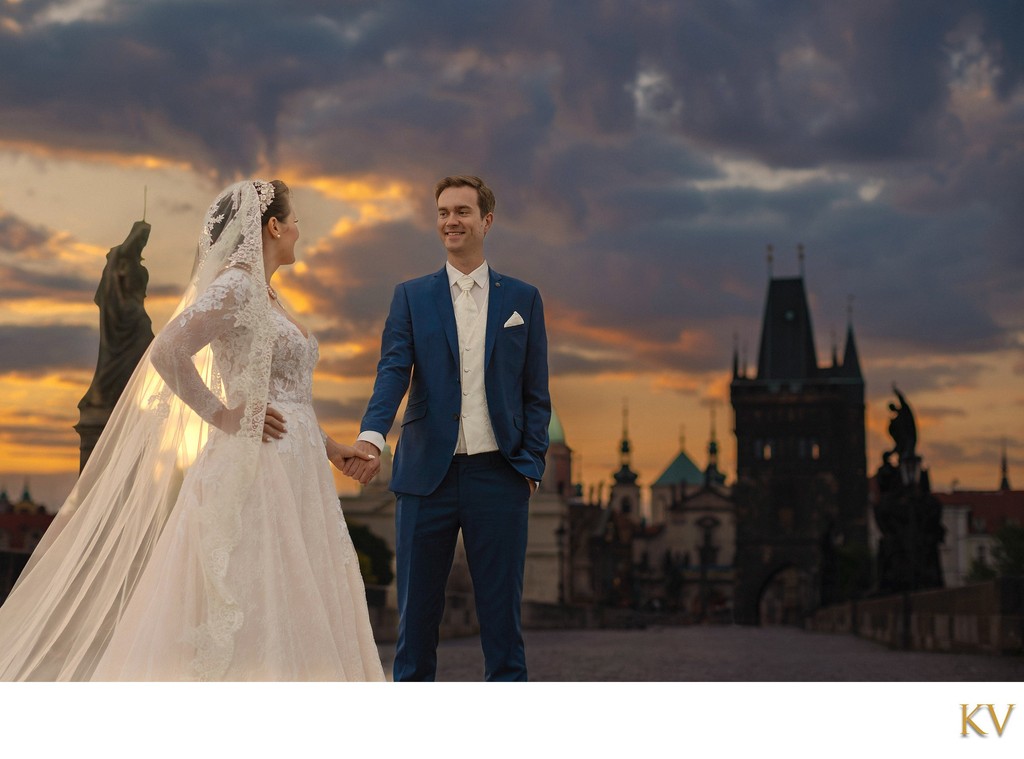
[1004,483]
[625,475]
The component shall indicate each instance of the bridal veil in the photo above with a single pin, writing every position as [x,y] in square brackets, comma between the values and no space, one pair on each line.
[57,621]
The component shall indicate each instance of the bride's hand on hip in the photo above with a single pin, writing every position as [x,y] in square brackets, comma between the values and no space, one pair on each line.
[273,425]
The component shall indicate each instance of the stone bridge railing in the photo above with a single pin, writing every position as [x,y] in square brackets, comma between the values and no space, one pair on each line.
[986,617]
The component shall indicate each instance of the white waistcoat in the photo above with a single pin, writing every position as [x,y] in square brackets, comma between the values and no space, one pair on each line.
[475,432]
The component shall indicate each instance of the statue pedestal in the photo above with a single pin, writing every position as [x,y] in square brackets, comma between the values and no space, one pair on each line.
[910,520]
[91,421]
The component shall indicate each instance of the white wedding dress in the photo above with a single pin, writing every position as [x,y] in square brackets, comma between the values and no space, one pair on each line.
[273,592]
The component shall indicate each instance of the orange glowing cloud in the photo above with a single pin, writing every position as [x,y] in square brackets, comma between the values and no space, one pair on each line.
[374,200]
[106,157]
[571,326]
[36,422]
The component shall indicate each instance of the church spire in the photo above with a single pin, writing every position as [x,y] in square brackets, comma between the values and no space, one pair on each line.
[624,451]
[713,443]
[1004,483]
[625,475]
[711,474]
[787,339]
[851,361]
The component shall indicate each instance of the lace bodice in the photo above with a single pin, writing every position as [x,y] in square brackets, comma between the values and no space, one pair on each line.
[291,371]
[213,320]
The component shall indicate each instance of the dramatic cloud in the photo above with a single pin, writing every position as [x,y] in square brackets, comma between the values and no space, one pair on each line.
[643,153]
[34,350]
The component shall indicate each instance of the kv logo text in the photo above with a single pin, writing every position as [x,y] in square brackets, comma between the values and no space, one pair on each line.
[967,720]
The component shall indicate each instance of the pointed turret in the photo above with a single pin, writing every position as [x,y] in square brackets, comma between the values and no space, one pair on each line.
[625,495]
[711,474]
[1004,483]
[625,475]
[851,361]
[787,339]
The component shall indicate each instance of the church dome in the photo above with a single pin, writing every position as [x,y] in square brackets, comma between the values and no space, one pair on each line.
[682,471]
[555,432]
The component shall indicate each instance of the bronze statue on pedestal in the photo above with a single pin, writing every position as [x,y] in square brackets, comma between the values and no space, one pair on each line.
[125,333]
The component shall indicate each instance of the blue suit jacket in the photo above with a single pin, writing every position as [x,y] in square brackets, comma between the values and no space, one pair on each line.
[420,353]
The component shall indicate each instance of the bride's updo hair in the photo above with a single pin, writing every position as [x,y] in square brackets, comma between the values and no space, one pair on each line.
[281,205]
[279,208]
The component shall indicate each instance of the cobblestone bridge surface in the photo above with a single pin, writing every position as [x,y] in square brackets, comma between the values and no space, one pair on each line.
[719,654]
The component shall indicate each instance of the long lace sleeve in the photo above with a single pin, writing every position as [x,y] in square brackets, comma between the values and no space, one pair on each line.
[209,317]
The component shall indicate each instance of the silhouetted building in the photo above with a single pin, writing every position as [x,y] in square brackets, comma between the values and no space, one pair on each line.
[22,524]
[684,560]
[681,478]
[625,493]
[801,489]
[972,519]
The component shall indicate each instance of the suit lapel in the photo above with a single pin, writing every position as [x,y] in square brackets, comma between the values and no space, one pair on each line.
[445,309]
[494,312]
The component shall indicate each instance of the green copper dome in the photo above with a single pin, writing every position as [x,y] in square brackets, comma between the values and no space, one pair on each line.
[555,431]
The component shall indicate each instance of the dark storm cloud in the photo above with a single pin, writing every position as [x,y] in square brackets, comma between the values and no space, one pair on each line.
[18,282]
[607,130]
[37,350]
[30,264]
[355,278]
[912,380]
[362,366]
[563,363]
[788,82]
[195,81]
[348,411]
[18,235]
[57,434]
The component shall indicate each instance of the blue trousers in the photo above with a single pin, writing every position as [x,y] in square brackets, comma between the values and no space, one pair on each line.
[489,501]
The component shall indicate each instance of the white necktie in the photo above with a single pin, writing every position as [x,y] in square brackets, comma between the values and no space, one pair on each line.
[465,307]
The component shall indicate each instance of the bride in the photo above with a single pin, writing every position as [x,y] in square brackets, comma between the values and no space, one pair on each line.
[199,543]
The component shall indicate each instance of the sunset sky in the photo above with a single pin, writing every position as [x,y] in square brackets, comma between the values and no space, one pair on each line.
[643,155]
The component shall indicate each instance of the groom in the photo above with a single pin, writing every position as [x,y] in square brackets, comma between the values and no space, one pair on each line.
[470,347]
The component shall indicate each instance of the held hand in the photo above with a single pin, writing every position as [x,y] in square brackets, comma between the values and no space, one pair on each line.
[340,454]
[362,468]
[273,425]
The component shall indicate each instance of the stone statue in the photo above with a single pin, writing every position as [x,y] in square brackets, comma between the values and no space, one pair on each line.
[908,516]
[902,428]
[125,333]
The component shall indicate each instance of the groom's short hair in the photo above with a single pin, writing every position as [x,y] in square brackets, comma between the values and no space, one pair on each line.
[485,197]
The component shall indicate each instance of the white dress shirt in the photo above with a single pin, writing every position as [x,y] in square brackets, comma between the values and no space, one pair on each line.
[476,435]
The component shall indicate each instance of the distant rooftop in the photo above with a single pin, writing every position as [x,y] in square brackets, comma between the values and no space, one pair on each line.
[681,470]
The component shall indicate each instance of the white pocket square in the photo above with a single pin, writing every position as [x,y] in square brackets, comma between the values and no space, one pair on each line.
[515,320]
